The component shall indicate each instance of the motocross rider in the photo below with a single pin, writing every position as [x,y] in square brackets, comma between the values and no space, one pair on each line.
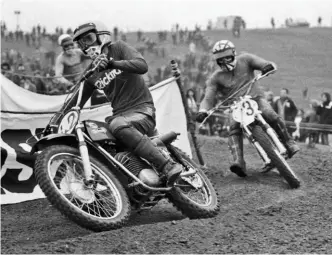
[120,77]
[235,71]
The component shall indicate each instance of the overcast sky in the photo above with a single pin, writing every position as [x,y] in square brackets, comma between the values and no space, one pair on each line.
[159,14]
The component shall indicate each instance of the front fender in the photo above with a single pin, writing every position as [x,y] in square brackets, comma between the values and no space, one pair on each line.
[71,140]
[67,139]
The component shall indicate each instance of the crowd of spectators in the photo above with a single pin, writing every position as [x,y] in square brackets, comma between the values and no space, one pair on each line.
[37,74]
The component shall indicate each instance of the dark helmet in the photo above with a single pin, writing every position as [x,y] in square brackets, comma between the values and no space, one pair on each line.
[91,38]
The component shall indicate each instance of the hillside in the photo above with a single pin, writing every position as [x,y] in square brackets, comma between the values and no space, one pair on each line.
[304,56]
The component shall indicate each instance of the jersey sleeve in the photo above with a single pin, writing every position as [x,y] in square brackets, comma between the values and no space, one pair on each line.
[209,99]
[132,61]
[258,63]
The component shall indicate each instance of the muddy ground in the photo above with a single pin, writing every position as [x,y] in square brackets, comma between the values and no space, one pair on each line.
[259,214]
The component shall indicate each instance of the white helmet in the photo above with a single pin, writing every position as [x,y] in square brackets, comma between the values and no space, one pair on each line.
[64,38]
[224,53]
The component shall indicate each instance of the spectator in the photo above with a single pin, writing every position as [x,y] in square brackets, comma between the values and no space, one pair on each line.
[70,62]
[158,77]
[310,116]
[181,34]
[27,84]
[115,33]
[298,119]
[319,21]
[20,72]
[209,25]
[285,106]
[38,29]
[123,37]
[39,83]
[269,96]
[273,23]
[325,112]
[237,26]
[174,38]
[5,70]
[139,35]
[69,31]
[192,105]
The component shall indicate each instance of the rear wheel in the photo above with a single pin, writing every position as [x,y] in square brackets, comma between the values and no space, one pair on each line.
[103,206]
[276,158]
[195,195]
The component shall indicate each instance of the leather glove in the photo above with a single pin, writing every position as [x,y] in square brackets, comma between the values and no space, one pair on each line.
[268,68]
[105,63]
[201,116]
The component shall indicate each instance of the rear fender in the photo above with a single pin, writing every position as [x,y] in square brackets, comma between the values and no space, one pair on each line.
[70,140]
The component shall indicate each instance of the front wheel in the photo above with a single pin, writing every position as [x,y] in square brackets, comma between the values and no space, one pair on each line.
[194,196]
[100,207]
[276,158]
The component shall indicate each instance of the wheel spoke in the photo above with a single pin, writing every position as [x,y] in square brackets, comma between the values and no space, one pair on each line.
[102,201]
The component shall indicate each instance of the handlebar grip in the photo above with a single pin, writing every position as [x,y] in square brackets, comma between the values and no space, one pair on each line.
[87,74]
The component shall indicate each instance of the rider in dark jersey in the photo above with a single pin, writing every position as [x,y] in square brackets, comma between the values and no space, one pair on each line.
[234,72]
[120,77]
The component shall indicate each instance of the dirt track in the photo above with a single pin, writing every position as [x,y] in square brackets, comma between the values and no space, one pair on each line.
[259,214]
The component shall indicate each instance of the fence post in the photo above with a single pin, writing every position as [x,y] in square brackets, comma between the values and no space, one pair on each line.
[191,125]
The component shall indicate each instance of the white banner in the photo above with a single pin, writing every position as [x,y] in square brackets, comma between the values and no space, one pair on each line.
[24,113]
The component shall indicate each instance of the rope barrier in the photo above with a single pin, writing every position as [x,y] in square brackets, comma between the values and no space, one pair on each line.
[39,76]
[303,125]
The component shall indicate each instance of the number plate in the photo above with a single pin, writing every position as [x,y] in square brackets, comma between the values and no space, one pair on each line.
[245,111]
[68,122]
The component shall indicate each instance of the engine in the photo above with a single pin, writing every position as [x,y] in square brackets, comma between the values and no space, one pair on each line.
[138,167]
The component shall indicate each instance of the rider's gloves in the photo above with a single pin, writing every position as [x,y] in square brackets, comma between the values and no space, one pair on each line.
[268,68]
[104,62]
[200,117]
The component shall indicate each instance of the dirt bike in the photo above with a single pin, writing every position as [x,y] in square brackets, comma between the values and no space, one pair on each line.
[259,133]
[94,181]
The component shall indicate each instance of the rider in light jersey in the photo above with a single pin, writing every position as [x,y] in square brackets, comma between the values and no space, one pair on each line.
[235,71]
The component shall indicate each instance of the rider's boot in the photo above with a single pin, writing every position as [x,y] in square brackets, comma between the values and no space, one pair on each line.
[142,146]
[287,140]
[235,143]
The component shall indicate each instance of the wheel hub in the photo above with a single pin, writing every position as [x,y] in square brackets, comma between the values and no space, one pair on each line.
[81,192]
[194,180]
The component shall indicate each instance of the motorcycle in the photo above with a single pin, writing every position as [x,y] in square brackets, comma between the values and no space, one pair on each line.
[94,181]
[259,133]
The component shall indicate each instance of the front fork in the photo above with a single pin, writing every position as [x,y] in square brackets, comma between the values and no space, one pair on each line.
[89,177]
[272,134]
[258,147]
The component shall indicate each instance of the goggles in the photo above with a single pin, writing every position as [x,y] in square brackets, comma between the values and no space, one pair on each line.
[225,60]
[87,40]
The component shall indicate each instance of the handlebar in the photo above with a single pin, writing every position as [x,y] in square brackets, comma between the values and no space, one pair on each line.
[89,72]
